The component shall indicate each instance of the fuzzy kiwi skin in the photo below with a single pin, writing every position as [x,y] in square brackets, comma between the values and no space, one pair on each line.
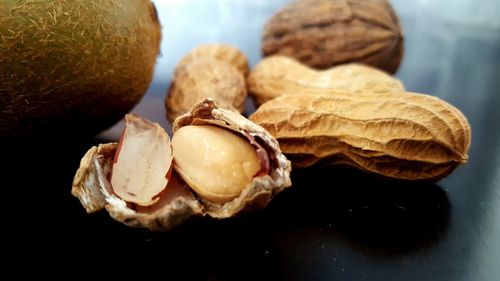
[75,66]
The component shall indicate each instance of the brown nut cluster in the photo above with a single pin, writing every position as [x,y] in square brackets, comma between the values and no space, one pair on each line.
[406,136]
[325,33]
[218,164]
[279,75]
[210,71]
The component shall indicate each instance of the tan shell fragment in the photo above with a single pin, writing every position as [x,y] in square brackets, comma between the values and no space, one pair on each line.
[222,52]
[262,189]
[406,136]
[92,186]
[279,75]
[324,33]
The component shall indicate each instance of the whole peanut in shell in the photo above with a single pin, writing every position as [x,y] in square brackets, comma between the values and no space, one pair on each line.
[405,136]
[222,52]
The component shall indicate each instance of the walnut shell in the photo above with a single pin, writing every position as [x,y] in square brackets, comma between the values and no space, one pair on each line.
[324,33]
[178,202]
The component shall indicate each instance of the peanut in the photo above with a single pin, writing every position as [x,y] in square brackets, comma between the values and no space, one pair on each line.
[229,165]
[324,33]
[214,162]
[142,162]
[213,71]
[406,136]
[222,52]
[279,75]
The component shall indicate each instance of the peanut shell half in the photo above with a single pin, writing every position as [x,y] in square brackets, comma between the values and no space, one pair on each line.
[93,187]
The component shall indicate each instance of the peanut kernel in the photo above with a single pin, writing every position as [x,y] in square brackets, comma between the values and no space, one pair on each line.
[142,162]
[214,162]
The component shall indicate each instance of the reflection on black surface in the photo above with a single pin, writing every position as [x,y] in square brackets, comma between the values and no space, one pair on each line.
[45,218]
[325,211]
[334,224]
[375,215]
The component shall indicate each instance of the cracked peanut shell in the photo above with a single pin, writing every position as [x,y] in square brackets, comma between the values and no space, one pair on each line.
[178,202]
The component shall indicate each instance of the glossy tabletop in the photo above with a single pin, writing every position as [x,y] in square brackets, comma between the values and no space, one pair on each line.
[334,223]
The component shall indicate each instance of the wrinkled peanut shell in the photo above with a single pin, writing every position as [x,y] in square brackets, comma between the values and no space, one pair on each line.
[222,52]
[406,136]
[214,71]
[279,75]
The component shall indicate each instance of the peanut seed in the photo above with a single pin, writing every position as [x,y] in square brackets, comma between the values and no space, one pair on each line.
[214,162]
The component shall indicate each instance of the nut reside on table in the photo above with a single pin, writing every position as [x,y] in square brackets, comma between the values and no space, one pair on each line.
[218,164]
[279,75]
[325,33]
[215,71]
[399,135]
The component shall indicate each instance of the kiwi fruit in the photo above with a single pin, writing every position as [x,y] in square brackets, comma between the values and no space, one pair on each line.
[73,66]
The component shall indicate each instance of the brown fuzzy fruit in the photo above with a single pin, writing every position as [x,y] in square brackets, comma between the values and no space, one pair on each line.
[324,33]
[78,65]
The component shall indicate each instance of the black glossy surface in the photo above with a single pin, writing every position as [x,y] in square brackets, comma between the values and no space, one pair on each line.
[334,224]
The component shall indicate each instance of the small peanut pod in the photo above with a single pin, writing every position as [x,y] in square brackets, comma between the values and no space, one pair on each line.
[325,33]
[222,52]
[210,71]
[279,75]
[410,136]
